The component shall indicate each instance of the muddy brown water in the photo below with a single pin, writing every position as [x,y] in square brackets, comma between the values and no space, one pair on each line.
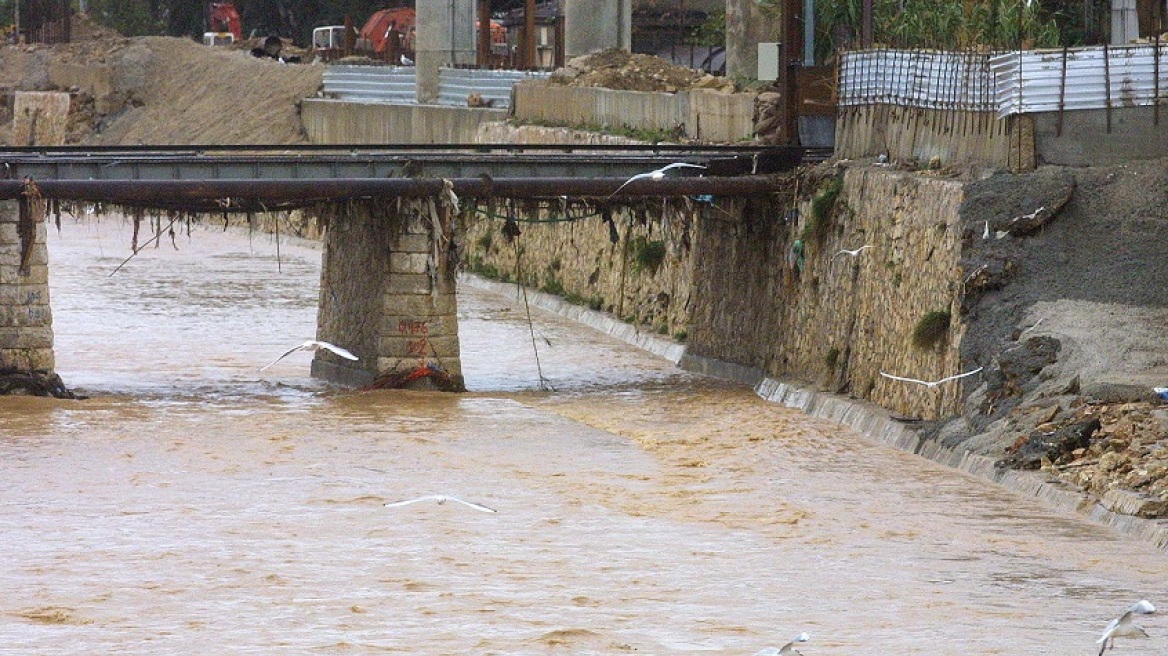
[196,505]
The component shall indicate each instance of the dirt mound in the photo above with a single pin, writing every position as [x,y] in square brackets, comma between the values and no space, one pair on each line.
[619,69]
[163,90]
[195,94]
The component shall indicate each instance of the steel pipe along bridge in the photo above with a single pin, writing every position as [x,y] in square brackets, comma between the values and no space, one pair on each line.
[389,254]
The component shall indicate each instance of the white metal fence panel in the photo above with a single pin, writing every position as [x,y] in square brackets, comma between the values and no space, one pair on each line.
[455,85]
[1024,82]
[398,84]
[1080,78]
[916,78]
[389,84]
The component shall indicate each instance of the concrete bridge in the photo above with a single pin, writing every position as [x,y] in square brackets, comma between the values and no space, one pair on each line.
[390,241]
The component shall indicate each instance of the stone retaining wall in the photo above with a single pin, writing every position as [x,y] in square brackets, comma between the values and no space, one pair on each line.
[733,284]
[571,253]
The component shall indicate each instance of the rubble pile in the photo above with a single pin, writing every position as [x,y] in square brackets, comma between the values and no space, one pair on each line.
[618,69]
[1097,447]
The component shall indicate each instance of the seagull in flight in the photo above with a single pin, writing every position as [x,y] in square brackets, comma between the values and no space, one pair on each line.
[1124,627]
[313,345]
[787,649]
[931,383]
[656,175]
[441,498]
[852,253]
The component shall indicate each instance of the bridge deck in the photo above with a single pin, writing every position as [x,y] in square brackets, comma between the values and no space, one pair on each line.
[252,178]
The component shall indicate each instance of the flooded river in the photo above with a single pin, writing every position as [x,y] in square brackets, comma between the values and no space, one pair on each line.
[194,505]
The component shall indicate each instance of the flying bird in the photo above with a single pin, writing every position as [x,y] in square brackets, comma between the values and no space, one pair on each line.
[931,383]
[441,498]
[1124,627]
[313,345]
[852,253]
[787,649]
[656,175]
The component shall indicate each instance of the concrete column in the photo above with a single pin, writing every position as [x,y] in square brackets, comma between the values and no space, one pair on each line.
[747,25]
[445,36]
[387,294]
[1125,26]
[593,25]
[26,323]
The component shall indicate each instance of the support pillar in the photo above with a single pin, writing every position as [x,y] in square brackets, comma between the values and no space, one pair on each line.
[749,23]
[26,323]
[445,37]
[387,294]
[593,25]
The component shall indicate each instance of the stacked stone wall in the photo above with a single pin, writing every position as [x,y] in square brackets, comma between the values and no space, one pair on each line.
[26,322]
[847,318]
[734,283]
[570,252]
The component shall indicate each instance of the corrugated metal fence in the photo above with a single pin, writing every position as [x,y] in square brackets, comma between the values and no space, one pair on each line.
[917,78]
[1079,78]
[398,84]
[1025,82]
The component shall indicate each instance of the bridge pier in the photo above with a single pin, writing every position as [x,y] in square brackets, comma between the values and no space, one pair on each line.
[387,293]
[26,322]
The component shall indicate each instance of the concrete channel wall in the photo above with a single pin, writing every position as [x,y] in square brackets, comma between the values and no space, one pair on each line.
[699,114]
[342,122]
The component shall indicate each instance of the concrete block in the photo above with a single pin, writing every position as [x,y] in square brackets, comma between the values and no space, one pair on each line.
[420,305]
[404,262]
[24,316]
[22,294]
[34,337]
[408,283]
[9,234]
[420,223]
[419,326]
[414,348]
[27,359]
[10,256]
[38,274]
[412,243]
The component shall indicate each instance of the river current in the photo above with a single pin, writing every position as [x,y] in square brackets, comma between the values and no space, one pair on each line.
[195,505]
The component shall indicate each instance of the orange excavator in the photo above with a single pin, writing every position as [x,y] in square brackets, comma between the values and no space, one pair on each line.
[388,35]
[223,24]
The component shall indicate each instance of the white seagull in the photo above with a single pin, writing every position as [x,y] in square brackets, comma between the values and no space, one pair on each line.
[787,649]
[852,253]
[931,383]
[313,345]
[1124,627]
[441,498]
[656,175]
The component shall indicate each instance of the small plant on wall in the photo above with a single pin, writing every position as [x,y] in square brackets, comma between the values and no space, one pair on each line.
[648,255]
[931,329]
[832,358]
[822,206]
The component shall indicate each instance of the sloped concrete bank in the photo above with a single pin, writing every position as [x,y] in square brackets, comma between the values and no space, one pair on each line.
[876,424]
[871,421]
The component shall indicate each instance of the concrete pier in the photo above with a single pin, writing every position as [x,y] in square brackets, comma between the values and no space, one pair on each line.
[387,294]
[26,322]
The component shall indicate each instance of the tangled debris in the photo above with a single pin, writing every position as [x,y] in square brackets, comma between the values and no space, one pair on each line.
[33,383]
